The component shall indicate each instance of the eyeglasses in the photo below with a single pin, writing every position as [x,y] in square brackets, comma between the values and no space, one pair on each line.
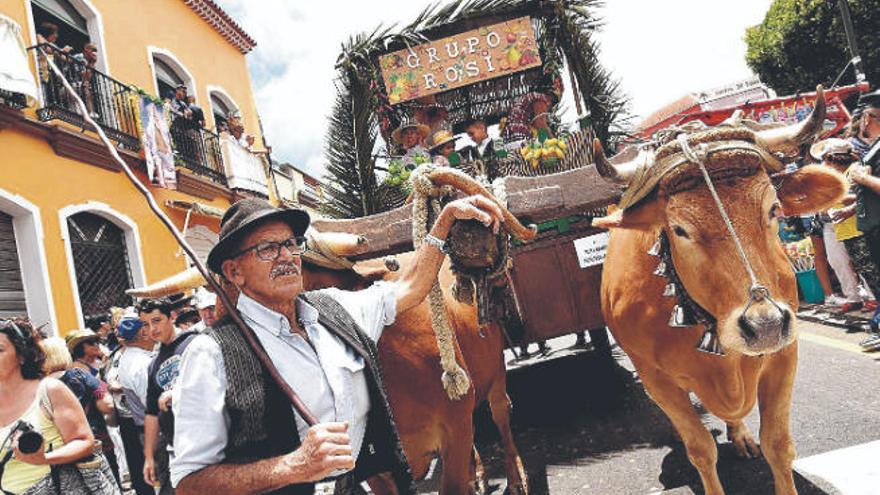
[873,116]
[4,324]
[270,250]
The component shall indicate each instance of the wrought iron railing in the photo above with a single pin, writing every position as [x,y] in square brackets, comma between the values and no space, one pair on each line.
[110,102]
[13,100]
[197,149]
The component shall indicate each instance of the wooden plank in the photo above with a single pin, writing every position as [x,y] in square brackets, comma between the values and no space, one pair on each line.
[530,199]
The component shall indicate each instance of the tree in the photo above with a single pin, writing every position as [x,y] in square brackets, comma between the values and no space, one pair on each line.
[351,186]
[802,43]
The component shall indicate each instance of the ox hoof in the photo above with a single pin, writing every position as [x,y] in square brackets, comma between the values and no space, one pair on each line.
[743,441]
[516,490]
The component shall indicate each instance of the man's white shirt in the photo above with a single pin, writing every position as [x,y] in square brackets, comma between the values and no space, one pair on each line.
[327,375]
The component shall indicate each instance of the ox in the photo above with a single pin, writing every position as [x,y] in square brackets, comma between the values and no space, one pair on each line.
[429,423]
[667,195]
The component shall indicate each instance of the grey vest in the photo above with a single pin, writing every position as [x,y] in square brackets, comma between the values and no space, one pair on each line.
[262,420]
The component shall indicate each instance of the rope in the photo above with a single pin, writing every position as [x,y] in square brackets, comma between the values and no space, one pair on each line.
[756,290]
[426,209]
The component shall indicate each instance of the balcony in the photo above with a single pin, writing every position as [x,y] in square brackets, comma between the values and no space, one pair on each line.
[112,104]
[13,100]
[197,149]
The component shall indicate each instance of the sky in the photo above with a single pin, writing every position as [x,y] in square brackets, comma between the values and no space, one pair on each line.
[660,51]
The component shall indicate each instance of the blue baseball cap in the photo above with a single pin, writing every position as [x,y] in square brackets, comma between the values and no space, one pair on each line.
[128,328]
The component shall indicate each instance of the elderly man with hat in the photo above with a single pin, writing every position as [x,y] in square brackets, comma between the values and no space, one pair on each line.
[235,429]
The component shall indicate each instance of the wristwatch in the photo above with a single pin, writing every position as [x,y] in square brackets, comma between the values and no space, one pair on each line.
[437,243]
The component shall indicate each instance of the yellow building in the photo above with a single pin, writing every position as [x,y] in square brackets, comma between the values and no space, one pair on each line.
[74,232]
[297,188]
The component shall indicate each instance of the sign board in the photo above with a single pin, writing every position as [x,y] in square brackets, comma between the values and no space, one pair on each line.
[591,249]
[466,58]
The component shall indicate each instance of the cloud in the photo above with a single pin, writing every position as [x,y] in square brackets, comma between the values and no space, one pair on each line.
[292,68]
[659,50]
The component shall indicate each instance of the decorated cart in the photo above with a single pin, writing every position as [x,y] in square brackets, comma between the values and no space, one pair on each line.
[505,63]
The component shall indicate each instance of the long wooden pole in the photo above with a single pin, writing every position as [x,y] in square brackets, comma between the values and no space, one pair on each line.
[248,332]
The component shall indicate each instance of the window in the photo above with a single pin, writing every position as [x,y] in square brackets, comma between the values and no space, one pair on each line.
[166,79]
[12,297]
[78,23]
[100,261]
[73,29]
[221,111]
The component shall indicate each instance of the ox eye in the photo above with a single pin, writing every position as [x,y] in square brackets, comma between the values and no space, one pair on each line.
[680,232]
[775,212]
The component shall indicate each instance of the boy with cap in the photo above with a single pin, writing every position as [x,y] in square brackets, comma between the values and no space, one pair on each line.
[127,377]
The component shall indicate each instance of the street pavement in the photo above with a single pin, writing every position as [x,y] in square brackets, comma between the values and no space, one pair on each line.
[584,425]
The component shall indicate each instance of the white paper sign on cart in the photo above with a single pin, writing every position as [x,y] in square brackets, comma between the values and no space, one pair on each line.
[591,249]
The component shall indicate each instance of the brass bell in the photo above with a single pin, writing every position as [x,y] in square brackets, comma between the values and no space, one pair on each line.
[655,249]
[669,290]
[709,343]
[661,269]
[681,317]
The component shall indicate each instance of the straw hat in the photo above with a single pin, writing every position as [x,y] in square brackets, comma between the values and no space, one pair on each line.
[76,337]
[440,138]
[833,146]
[410,123]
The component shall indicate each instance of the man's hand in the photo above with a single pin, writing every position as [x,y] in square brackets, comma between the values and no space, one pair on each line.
[165,401]
[325,450]
[840,214]
[859,173]
[150,472]
[477,208]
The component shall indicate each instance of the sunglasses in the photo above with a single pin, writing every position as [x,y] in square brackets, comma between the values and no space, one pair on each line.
[9,324]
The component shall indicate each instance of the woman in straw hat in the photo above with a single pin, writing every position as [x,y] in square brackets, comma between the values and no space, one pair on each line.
[409,136]
[442,144]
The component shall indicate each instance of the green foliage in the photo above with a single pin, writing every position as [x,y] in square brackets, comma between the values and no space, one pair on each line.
[802,43]
[353,189]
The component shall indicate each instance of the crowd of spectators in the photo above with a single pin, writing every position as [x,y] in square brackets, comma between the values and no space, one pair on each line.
[847,237]
[110,390]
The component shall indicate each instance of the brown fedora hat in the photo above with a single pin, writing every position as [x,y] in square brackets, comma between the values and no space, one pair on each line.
[243,217]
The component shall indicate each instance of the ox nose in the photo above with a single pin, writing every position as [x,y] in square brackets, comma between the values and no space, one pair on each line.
[765,324]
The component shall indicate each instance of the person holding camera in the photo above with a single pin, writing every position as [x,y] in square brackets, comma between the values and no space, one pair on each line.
[43,424]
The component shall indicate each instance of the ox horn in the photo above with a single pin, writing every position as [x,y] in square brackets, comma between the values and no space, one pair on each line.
[445,176]
[619,174]
[788,138]
[186,280]
[341,243]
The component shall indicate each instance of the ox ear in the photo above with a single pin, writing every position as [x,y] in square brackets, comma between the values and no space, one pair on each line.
[640,217]
[810,189]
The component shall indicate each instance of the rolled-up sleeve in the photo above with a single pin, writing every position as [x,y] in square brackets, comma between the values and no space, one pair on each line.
[373,308]
[201,422]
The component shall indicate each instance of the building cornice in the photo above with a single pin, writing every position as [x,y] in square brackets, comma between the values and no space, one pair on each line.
[218,19]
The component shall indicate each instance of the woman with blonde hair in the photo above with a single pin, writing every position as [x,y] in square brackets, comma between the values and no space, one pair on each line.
[57,357]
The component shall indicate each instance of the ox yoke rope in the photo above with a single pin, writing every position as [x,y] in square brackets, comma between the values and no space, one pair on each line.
[426,208]
[756,290]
